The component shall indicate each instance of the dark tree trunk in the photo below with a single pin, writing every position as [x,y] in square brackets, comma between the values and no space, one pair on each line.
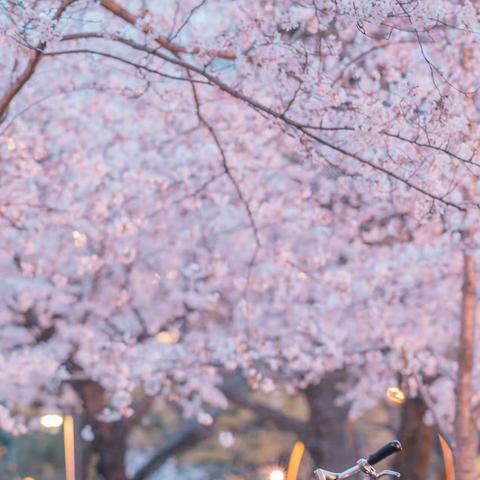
[110,438]
[417,441]
[331,441]
[111,445]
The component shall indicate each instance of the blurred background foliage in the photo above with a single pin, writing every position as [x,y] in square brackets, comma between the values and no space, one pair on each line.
[240,444]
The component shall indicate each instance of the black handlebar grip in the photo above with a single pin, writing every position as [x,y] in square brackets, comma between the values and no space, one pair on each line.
[384,452]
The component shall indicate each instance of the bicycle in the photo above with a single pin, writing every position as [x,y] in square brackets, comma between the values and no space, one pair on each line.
[365,465]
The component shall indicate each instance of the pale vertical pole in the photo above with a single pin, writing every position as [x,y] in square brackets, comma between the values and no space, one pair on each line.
[69,443]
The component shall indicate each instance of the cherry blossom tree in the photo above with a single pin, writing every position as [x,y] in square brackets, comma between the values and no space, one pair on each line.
[284,188]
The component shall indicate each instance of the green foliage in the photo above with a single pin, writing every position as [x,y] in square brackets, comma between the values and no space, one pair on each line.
[38,455]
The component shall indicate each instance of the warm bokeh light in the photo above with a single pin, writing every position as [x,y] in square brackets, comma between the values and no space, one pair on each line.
[172,274]
[168,336]
[28,478]
[295,460]
[11,146]
[395,395]
[302,276]
[51,420]
[79,239]
[276,474]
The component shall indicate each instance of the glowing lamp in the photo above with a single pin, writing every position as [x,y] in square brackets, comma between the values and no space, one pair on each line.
[276,474]
[51,420]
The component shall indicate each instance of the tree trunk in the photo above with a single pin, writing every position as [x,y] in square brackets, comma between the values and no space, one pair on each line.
[417,441]
[465,451]
[111,444]
[331,442]
[110,438]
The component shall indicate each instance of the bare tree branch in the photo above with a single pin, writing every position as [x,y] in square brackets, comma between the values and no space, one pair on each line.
[281,420]
[142,407]
[30,68]
[120,59]
[283,118]
[174,48]
[190,435]
[228,170]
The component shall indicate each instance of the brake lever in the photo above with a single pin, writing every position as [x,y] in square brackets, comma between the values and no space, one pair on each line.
[391,473]
[372,473]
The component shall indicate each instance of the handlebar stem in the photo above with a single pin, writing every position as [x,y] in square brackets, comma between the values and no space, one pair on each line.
[326,475]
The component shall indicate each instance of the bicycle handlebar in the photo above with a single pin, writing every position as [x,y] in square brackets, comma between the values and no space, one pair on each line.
[384,452]
[365,465]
